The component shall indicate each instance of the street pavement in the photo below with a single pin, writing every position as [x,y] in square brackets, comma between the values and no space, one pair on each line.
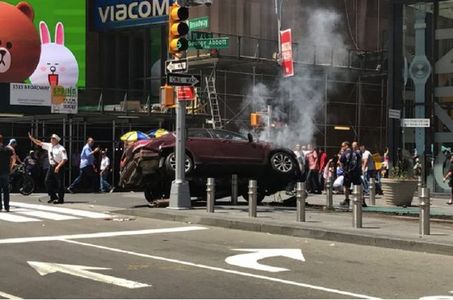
[116,246]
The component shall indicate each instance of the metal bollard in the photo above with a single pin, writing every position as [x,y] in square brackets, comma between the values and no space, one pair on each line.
[329,193]
[253,188]
[301,195]
[424,211]
[373,191]
[210,199]
[357,206]
[234,189]
[419,185]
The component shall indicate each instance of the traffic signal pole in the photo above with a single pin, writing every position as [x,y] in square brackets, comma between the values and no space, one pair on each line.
[180,192]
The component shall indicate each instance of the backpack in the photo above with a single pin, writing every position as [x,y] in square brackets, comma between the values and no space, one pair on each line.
[353,163]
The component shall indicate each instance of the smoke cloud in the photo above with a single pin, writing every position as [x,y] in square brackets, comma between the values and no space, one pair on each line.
[297,101]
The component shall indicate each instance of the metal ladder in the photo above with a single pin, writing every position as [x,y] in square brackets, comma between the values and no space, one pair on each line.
[216,120]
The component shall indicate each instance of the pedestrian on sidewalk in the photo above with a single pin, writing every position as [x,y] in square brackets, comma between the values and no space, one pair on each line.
[55,173]
[351,162]
[449,175]
[105,171]
[6,165]
[87,167]
[312,159]
[368,168]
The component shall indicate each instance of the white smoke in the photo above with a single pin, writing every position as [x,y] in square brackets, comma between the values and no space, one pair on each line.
[297,101]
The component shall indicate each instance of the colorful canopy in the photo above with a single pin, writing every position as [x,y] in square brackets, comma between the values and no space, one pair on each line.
[157,132]
[133,136]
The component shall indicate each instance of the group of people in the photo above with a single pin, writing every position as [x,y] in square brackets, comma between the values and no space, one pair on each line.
[57,160]
[353,165]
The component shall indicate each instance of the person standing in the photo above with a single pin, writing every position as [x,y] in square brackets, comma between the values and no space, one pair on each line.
[351,163]
[6,165]
[313,171]
[105,170]
[87,167]
[368,168]
[55,174]
[12,145]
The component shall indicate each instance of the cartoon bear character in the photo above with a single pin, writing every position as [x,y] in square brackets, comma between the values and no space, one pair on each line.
[57,65]
[19,42]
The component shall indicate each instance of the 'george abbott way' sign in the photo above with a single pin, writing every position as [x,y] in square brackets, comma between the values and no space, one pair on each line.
[113,14]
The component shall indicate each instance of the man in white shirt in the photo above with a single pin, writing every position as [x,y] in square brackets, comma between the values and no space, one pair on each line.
[105,170]
[55,174]
[368,168]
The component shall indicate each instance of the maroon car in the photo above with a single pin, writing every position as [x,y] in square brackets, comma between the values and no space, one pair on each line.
[209,153]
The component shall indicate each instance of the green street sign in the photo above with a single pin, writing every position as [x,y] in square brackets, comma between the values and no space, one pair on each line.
[199,23]
[215,43]
[199,35]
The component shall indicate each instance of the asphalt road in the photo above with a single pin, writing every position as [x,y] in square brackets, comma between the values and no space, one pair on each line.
[133,257]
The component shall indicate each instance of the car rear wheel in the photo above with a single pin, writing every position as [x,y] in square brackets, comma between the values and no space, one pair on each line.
[170,163]
[282,162]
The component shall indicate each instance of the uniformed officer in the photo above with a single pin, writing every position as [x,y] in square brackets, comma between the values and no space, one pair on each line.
[55,174]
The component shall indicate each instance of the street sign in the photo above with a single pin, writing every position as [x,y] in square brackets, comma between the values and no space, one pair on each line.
[415,123]
[185,93]
[200,35]
[176,66]
[214,43]
[199,23]
[394,114]
[183,80]
[287,53]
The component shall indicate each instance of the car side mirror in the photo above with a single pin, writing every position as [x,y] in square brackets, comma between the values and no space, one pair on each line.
[250,137]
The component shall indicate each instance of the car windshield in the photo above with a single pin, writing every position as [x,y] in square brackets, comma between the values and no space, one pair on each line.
[228,135]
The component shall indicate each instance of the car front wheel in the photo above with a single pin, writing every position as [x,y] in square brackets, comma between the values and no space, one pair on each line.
[282,162]
[170,163]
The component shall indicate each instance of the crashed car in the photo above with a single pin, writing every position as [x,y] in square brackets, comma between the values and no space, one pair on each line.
[217,153]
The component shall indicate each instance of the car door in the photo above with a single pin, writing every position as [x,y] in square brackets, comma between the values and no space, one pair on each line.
[236,149]
[199,143]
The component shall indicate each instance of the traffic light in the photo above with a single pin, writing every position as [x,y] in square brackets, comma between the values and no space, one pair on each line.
[177,29]
[167,96]
[255,119]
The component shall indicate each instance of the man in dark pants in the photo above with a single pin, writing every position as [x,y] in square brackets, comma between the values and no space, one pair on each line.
[55,174]
[87,167]
[6,163]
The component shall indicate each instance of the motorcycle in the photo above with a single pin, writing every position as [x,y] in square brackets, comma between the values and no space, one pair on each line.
[20,181]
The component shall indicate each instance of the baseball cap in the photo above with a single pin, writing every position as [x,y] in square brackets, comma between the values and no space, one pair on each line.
[12,141]
[54,136]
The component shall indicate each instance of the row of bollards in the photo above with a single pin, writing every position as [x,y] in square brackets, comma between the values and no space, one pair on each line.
[301,196]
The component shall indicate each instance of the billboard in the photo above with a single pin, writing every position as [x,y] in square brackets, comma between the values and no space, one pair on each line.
[66,22]
[114,14]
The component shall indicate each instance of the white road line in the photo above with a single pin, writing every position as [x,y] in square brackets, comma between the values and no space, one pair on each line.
[68,211]
[8,296]
[288,282]
[10,217]
[99,235]
[48,215]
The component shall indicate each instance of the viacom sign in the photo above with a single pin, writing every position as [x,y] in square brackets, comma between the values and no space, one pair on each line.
[113,14]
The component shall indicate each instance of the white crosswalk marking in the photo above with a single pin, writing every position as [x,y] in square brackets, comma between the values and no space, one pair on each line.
[62,210]
[48,215]
[9,217]
[26,212]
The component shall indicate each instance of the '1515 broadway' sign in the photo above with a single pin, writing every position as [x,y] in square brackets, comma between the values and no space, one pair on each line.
[112,14]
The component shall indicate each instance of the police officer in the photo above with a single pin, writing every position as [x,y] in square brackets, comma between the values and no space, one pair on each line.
[55,174]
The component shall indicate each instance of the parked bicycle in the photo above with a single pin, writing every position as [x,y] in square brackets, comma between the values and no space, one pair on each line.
[20,181]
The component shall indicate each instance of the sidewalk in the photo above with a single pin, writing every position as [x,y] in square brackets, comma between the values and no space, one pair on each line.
[383,225]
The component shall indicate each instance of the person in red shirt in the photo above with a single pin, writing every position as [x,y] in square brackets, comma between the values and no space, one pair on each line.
[322,165]
[313,171]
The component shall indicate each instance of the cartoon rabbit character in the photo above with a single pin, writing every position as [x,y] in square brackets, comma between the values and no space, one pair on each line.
[57,65]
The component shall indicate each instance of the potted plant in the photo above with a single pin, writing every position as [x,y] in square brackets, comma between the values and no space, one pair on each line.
[400,187]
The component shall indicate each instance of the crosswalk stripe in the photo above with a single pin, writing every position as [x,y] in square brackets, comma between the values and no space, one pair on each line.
[68,211]
[48,215]
[10,217]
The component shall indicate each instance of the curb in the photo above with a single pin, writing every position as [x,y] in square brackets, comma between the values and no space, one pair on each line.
[297,230]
